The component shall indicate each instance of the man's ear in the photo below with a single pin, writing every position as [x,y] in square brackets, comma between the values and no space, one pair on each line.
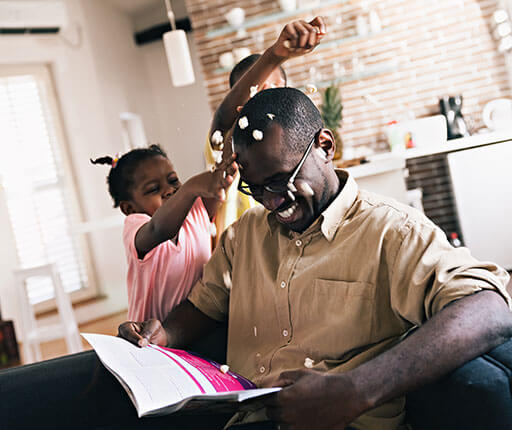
[325,142]
[126,207]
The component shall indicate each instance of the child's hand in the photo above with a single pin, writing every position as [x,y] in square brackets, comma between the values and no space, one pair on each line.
[299,38]
[214,184]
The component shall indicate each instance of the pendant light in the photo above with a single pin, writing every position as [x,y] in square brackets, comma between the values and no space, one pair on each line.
[178,53]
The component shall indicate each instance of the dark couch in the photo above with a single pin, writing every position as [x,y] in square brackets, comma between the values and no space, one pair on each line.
[76,392]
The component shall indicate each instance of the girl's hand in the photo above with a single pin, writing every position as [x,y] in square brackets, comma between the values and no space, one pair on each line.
[299,38]
[214,184]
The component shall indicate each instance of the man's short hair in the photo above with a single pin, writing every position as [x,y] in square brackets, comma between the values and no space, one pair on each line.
[290,108]
[243,65]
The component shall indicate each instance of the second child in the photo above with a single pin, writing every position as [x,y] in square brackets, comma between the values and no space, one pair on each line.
[167,230]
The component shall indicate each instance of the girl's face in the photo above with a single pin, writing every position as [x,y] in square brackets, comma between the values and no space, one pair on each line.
[154,181]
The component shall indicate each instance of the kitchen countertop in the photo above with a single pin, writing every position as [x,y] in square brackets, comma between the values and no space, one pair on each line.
[476,140]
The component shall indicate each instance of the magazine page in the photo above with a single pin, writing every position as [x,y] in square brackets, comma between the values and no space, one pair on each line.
[162,380]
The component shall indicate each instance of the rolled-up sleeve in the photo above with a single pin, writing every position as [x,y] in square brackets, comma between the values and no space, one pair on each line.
[428,273]
[211,293]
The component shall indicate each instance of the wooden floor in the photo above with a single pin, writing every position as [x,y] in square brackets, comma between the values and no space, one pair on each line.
[107,325]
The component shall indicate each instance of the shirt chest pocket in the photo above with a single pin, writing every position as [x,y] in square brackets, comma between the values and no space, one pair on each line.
[332,317]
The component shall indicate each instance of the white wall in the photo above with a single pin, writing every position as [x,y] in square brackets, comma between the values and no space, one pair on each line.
[95,81]
[183,114]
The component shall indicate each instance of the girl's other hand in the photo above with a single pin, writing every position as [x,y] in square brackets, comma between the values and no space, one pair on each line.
[299,38]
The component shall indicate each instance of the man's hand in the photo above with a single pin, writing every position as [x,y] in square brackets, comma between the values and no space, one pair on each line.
[314,400]
[299,38]
[142,333]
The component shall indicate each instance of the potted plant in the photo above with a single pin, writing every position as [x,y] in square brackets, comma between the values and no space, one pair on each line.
[331,110]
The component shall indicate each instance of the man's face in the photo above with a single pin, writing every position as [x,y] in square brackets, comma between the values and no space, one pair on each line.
[154,181]
[269,162]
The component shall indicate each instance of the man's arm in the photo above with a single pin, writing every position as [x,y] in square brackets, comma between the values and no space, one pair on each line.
[297,38]
[183,325]
[460,332]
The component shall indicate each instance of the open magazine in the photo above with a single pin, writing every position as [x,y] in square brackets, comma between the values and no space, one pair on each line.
[162,380]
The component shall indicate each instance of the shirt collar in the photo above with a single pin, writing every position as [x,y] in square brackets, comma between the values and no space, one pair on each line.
[334,214]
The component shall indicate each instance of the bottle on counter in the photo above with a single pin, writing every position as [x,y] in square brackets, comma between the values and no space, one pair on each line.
[454,240]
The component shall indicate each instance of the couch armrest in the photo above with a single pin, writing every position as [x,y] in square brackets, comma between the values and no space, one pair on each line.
[477,395]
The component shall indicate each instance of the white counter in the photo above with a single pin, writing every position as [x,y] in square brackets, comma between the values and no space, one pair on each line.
[458,144]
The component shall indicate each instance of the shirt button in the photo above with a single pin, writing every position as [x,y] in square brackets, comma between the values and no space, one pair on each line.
[262,369]
[283,284]
[285,333]
[298,242]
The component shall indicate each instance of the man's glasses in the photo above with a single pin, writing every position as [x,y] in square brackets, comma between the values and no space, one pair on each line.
[278,187]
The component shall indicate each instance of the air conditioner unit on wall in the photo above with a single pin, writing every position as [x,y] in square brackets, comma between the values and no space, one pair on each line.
[20,16]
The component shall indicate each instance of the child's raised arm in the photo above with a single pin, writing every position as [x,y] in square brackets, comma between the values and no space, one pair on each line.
[168,218]
[297,38]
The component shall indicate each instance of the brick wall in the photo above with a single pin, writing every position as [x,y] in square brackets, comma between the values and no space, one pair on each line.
[428,48]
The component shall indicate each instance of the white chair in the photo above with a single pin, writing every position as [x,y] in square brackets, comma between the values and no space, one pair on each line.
[33,334]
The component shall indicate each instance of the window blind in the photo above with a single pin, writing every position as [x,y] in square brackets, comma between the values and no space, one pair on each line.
[34,187]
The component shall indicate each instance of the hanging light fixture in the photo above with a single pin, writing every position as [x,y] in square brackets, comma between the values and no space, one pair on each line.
[178,53]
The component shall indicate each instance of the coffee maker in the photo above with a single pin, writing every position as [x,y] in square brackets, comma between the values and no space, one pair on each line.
[451,107]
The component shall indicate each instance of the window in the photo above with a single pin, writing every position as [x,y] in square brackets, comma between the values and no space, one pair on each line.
[39,193]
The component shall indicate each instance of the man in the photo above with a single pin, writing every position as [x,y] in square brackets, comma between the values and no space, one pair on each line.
[321,284]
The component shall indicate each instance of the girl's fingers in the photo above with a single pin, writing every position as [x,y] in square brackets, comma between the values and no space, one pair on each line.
[303,35]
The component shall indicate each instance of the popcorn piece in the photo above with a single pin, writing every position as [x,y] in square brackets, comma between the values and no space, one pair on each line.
[305,188]
[311,89]
[217,138]
[243,123]
[253,91]
[287,44]
[224,368]
[257,134]
[271,116]
[308,363]
[213,230]
[227,280]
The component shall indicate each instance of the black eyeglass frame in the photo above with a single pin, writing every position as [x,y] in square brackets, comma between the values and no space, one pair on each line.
[289,188]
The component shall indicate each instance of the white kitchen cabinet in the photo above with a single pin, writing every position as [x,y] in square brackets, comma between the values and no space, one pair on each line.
[482,185]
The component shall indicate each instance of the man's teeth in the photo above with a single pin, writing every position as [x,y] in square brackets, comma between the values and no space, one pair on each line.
[287,213]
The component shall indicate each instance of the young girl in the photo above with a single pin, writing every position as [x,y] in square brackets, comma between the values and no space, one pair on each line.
[167,230]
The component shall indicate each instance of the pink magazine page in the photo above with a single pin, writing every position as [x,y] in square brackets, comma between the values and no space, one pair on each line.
[220,381]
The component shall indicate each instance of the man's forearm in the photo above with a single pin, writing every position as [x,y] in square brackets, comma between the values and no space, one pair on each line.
[457,334]
[186,324]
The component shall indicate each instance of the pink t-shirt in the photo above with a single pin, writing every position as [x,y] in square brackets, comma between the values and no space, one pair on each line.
[163,279]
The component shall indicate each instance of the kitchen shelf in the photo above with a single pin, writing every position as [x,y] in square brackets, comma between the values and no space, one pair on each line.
[368,72]
[335,43]
[350,39]
[265,19]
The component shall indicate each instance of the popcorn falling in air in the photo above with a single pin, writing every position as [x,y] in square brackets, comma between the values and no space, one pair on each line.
[217,138]
[243,123]
[308,363]
[257,134]
[311,89]
[213,230]
[224,368]
[253,91]
[271,116]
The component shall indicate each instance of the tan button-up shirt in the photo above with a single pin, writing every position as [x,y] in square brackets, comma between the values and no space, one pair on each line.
[363,274]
